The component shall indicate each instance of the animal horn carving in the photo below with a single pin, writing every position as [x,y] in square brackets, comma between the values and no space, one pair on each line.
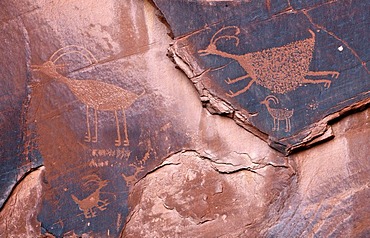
[73,49]
[264,67]
[212,48]
[95,94]
[216,38]
[273,98]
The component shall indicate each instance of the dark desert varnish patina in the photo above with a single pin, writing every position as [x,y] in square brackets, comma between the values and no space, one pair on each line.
[283,70]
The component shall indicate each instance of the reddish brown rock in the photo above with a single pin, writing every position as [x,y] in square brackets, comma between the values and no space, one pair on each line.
[189,197]
[91,109]
[17,148]
[19,214]
[319,192]
[179,171]
[331,189]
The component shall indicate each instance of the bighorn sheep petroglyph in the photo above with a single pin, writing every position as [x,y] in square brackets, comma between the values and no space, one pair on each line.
[278,114]
[280,69]
[94,94]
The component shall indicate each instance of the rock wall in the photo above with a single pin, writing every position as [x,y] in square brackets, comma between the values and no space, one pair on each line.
[104,135]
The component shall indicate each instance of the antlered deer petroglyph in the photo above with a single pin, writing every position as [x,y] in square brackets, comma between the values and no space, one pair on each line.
[94,94]
[278,114]
[280,69]
[92,201]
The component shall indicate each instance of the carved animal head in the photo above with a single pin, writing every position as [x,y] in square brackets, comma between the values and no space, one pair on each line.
[48,68]
[212,47]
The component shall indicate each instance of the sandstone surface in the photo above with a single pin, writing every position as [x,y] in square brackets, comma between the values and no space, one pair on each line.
[106,133]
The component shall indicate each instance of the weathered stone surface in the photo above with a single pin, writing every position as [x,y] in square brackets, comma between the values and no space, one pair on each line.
[19,214]
[101,126]
[320,192]
[288,68]
[93,111]
[189,197]
[331,191]
[180,171]
[17,149]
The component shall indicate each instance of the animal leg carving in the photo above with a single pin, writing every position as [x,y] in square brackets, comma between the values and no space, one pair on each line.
[232,94]
[95,138]
[333,74]
[104,204]
[231,81]
[88,93]
[90,213]
[126,142]
[118,141]
[274,127]
[287,126]
[88,133]
[326,82]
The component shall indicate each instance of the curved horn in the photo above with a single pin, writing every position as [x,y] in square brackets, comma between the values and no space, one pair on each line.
[272,98]
[237,32]
[229,38]
[71,49]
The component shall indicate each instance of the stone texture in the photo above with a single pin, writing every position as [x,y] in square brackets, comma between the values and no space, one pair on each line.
[281,70]
[188,171]
[331,188]
[16,143]
[96,42]
[189,197]
[19,214]
[318,193]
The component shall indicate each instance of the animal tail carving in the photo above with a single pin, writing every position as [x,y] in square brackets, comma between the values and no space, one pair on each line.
[312,33]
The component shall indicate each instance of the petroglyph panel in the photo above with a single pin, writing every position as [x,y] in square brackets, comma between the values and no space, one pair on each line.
[88,107]
[285,50]
[111,131]
[93,94]
[102,136]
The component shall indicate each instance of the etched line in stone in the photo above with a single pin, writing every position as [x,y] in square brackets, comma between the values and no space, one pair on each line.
[93,201]
[279,69]
[278,114]
[94,94]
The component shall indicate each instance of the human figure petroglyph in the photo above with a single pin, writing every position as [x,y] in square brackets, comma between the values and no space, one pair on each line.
[278,114]
[93,201]
[280,69]
[94,94]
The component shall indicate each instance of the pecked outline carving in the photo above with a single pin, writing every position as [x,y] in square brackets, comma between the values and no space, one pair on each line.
[93,94]
[279,69]
[93,201]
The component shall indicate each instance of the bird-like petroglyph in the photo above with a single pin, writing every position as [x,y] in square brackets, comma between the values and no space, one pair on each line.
[92,202]
[280,69]
[94,94]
